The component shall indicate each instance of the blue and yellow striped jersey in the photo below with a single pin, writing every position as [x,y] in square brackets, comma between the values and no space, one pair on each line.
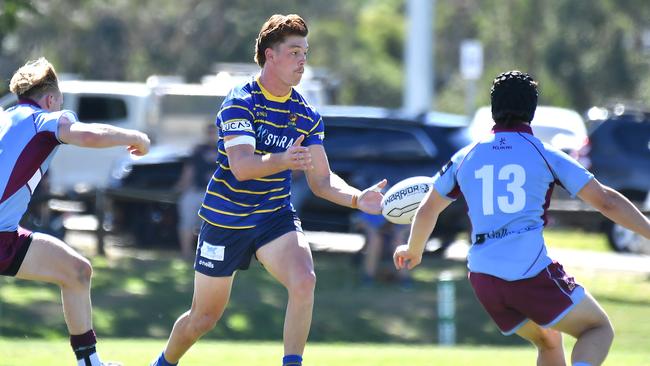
[275,123]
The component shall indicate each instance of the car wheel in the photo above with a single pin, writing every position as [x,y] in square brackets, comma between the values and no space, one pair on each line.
[624,240]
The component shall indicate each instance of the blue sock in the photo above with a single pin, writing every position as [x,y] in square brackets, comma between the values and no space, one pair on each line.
[292,360]
[161,361]
[582,364]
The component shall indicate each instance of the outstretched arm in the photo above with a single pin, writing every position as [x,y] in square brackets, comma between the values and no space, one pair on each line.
[615,206]
[410,255]
[325,184]
[102,135]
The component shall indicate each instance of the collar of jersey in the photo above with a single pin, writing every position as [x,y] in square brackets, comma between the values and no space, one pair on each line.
[267,94]
[29,102]
[519,128]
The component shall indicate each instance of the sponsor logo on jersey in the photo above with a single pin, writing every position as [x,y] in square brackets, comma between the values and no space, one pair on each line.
[271,139]
[503,145]
[279,141]
[237,125]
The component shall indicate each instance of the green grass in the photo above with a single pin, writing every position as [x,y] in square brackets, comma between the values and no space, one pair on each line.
[142,351]
[137,297]
[576,239]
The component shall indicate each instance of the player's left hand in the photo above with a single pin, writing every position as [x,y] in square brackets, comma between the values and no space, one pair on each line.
[370,198]
[406,258]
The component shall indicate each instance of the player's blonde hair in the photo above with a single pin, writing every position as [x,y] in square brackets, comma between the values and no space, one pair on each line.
[34,79]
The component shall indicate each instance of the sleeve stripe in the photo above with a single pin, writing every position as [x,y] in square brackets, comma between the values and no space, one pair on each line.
[305,117]
[272,109]
[237,106]
[233,120]
[269,123]
[316,124]
[279,197]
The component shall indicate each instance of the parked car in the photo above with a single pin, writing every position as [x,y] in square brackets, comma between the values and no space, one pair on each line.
[140,200]
[170,112]
[561,127]
[619,150]
[363,145]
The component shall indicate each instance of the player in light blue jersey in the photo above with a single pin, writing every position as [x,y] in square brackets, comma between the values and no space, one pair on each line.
[30,134]
[266,130]
[507,179]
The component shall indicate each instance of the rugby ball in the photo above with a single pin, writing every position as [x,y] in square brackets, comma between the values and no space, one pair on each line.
[401,201]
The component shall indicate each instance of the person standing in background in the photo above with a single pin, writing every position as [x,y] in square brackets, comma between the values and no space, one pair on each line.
[197,171]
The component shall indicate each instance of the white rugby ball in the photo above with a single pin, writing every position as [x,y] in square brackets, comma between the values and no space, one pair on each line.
[401,201]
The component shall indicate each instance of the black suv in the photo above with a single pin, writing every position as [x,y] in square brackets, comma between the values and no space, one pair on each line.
[619,150]
[363,145]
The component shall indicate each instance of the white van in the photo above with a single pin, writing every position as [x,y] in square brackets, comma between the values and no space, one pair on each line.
[171,113]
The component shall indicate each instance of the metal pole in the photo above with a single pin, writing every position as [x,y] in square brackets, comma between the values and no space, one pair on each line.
[418,56]
[470,97]
[446,309]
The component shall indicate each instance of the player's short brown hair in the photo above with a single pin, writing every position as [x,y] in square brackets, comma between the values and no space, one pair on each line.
[34,79]
[275,30]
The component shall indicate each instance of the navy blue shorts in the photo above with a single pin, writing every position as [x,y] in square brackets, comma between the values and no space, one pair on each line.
[220,252]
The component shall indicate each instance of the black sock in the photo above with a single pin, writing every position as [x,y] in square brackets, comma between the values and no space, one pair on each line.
[84,353]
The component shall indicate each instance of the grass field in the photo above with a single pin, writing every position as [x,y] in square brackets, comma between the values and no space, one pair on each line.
[141,352]
[137,297]
[576,239]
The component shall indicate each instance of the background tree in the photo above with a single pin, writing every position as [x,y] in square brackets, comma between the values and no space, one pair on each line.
[583,53]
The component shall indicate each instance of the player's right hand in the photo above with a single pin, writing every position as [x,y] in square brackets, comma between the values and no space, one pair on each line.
[298,157]
[141,146]
[405,258]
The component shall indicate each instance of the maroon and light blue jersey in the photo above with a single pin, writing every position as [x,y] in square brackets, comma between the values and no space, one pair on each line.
[507,180]
[274,123]
[28,140]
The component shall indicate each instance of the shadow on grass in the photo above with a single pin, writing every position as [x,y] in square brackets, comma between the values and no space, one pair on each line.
[135,297]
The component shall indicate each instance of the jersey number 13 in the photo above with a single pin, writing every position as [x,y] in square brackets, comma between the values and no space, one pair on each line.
[515,176]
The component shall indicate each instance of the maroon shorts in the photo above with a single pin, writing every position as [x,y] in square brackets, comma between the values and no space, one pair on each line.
[13,248]
[544,299]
